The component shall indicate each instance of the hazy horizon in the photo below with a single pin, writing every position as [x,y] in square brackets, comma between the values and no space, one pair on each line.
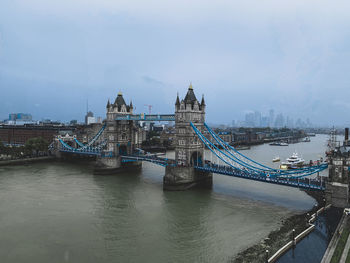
[243,56]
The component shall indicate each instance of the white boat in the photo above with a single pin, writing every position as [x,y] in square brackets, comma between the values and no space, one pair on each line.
[276,159]
[279,144]
[293,162]
[307,139]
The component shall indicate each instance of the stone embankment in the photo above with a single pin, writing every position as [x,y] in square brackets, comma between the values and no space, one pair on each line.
[298,238]
[280,241]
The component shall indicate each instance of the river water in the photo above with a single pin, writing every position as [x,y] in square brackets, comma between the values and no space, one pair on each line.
[61,212]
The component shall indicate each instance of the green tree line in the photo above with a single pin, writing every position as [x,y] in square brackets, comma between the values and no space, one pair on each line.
[32,147]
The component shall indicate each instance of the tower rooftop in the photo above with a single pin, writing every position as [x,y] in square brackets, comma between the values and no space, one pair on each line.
[190,97]
[119,101]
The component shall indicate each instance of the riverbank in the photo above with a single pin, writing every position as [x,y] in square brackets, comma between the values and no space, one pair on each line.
[27,160]
[281,236]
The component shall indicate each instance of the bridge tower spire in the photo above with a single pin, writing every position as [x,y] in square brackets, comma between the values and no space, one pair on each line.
[189,150]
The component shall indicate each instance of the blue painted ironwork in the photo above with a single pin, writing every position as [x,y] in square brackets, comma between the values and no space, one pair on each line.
[85,149]
[305,183]
[146,117]
[236,163]
[79,143]
[246,161]
[93,140]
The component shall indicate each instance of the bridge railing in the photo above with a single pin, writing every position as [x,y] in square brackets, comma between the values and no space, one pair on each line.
[229,155]
[305,182]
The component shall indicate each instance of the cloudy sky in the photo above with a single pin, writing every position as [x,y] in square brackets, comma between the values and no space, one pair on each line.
[292,56]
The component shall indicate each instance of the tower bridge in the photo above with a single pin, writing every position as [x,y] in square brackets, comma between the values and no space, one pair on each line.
[117,148]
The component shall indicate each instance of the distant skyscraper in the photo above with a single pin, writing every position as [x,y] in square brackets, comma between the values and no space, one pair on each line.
[308,123]
[271,117]
[279,122]
[289,122]
[299,124]
[265,121]
[88,115]
[250,119]
[257,119]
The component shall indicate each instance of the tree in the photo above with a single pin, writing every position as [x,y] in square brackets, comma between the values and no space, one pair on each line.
[2,148]
[36,145]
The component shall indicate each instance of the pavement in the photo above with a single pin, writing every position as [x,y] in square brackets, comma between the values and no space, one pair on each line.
[345,251]
[334,241]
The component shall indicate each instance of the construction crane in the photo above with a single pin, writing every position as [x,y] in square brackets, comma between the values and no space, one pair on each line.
[149,108]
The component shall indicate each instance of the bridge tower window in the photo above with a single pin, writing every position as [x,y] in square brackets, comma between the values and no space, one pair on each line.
[196,159]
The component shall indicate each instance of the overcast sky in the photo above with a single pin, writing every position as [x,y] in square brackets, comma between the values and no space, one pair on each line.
[292,56]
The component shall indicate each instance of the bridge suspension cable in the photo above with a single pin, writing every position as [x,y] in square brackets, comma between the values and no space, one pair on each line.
[235,159]
[248,161]
[86,148]
[94,139]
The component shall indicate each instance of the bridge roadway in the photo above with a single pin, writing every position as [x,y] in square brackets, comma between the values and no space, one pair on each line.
[305,183]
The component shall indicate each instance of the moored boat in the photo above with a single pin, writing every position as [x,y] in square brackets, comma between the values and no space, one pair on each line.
[278,144]
[293,162]
[307,139]
[276,159]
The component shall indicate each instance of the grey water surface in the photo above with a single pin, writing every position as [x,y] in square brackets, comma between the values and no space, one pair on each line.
[61,212]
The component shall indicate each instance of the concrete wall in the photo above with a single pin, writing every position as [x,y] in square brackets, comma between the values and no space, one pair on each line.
[337,194]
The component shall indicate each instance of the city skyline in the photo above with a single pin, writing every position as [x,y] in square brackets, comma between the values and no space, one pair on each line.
[248,119]
[270,119]
[251,119]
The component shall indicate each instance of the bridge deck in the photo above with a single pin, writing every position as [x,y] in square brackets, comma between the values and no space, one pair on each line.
[305,183]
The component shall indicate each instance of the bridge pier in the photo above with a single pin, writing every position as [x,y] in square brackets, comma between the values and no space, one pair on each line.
[113,165]
[183,178]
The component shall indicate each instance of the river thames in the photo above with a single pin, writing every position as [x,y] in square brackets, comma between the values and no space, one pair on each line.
[61,212]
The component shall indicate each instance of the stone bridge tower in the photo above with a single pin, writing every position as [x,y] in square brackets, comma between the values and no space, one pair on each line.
[189,150]
[122,136]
